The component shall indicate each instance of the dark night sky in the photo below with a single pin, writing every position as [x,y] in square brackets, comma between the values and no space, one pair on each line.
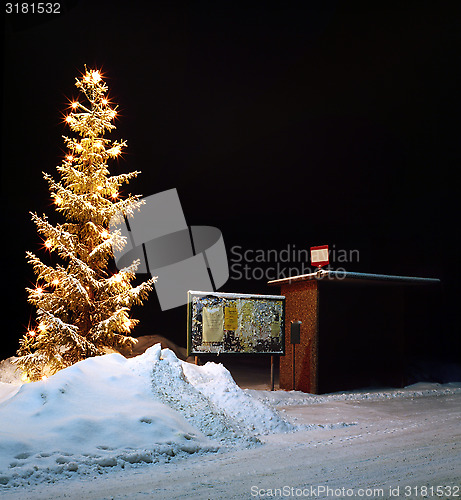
[281,123]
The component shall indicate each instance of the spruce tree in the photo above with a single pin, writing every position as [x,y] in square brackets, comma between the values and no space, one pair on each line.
[82,306]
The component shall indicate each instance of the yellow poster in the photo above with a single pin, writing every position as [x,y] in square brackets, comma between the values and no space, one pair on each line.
[275,329]
[213,325]
[231,319]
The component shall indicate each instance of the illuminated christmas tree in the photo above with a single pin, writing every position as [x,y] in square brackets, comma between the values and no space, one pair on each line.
[82,308]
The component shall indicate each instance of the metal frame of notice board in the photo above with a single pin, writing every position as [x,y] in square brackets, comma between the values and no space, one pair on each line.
[233,323]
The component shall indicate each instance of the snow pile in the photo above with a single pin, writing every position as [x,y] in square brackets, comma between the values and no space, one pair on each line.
[216,384]
[9,373]
[420,389]
[112,412]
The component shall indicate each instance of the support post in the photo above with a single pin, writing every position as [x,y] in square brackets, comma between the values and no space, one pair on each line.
[272,373]
[295,338]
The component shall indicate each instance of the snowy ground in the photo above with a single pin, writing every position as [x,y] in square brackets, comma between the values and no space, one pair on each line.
[155,427]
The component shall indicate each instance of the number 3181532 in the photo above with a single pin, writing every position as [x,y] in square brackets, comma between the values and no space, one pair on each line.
[33,8]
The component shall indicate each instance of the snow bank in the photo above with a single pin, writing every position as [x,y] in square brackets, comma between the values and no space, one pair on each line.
[420,389]
[112,412]
[9,373]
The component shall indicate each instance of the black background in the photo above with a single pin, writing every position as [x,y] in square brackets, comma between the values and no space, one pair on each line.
[280,123]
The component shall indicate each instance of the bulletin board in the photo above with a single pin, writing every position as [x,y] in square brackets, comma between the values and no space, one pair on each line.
[235,323]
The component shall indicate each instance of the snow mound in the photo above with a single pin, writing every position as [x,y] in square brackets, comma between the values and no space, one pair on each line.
[9,373]
[420,389]
[113,412]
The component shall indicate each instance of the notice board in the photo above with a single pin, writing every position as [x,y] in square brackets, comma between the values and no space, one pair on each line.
[235,323]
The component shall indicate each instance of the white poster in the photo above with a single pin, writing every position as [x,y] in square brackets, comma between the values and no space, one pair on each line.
[213,324]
